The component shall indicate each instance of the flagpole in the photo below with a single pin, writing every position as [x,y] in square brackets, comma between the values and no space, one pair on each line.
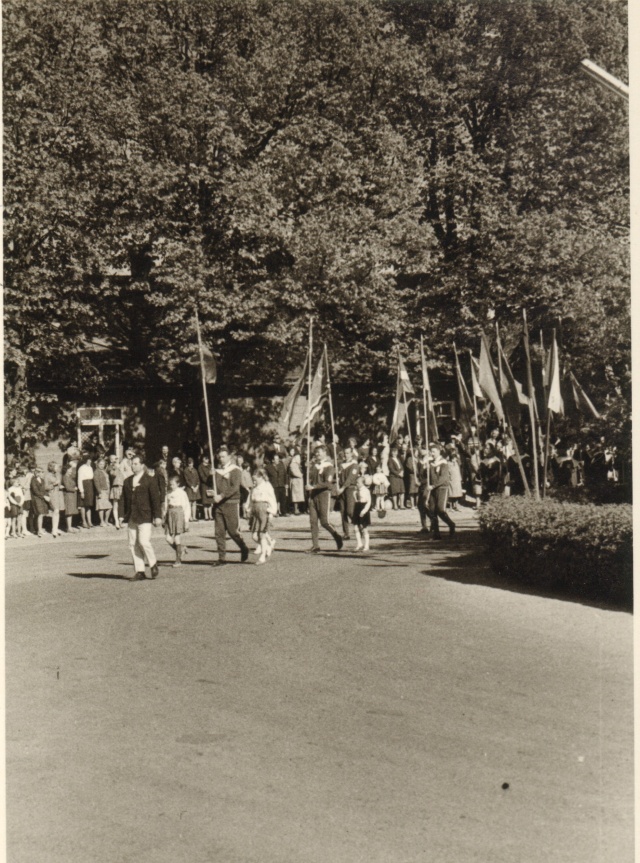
[546,442]
[527,490]
[532,421]
[333,428]
[424,396]
[499,368]
[406,413]
[206,403]
[309,398]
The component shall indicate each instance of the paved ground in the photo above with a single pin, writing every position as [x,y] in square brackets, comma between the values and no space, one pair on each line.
[326,709]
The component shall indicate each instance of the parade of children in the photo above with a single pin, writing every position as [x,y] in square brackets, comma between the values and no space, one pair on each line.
[83,492]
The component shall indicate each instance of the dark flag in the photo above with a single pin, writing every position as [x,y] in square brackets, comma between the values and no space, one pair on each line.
[465,405]
[511,392]
[291,399]
[487,378]
[578,399]
[403,388]
[209,365]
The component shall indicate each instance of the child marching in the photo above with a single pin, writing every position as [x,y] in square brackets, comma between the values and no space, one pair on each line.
[362,513]
[177,518]
[263,507]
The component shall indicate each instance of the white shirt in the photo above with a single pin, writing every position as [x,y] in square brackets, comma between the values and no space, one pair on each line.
[179,497]
[85,471]
[264,493]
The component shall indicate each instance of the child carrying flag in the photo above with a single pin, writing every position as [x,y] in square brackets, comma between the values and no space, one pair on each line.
[263,506]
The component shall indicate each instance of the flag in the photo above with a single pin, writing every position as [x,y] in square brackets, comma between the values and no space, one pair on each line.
[511,392]
[487,378]
[475,370]
[580,399]
[431,419]
[319,392]
[209,366]
[403,389]
[465,405]
[286,420]
[555,403]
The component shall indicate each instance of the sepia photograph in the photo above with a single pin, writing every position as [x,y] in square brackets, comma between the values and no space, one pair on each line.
[317,431]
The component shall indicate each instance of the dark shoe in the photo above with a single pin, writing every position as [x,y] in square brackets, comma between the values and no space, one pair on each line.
[154,570]
[244,554]
[313,551]
[339,542]
[436,536]
[139,576]
[452,530]
[218,563]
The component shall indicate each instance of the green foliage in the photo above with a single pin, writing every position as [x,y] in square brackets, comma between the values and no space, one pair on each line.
[390,168]
[580,549]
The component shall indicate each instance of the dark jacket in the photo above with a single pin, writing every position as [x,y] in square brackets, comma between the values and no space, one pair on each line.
[228,484]
[142,504]
[277,474]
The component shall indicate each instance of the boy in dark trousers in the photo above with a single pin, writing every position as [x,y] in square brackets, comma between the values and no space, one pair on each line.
[321,480]
[439,479]
[227,506]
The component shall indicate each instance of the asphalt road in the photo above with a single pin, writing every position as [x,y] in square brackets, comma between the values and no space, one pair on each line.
[320,709]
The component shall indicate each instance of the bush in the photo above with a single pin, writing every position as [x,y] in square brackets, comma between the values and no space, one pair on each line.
[580,549]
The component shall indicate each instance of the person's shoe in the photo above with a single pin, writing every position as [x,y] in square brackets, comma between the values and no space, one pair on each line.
[358,548]
[139,576]
[219,563]
[244,554]
[176,563]
[339,542]
[260,561]
[313,550]
[154,570]
[452,530]
[271,547]
[436,536]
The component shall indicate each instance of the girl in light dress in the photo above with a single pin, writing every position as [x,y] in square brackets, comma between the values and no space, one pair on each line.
[362,512]
[380,488]
[15,498]
[176,522]
[263,506]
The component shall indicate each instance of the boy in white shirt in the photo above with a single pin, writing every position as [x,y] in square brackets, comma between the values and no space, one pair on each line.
[362,513]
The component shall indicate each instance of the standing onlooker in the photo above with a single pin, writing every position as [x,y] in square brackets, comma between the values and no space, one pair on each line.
[25,475]
[86,492]
[296,481]
[455,476]
[116,481]
[39,499]
[142,509]
[125,465]
[246,485]
[396,478]
[102,487]
[277,473]
[410,478]
[160,474]
[206,487]
[176,469]
[15,499]
[347,477]
[491,472]
[192,486]
[56,496]
[70,487]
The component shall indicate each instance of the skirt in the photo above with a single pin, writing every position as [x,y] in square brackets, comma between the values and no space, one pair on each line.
[57,499]
[116,492]
[193,495]
[360,520]
[39,506]
[15,510]
[380,489]
[410,484]
[88,493]
[102,500]
[259,517]
[397,485]
[71,502]
[174,523]
[7,512]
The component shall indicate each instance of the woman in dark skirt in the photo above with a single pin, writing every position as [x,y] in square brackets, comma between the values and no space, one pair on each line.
[396,478]
[86,492]
[39,498]
[206,487]
[410,483]
[70,494]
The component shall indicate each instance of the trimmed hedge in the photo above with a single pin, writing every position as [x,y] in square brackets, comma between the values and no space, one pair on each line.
[580,549]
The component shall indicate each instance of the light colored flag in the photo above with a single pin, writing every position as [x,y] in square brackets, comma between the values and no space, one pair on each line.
[555,403]
[291,402]
[487,378]
[475,371]
[319,392]
[403,389]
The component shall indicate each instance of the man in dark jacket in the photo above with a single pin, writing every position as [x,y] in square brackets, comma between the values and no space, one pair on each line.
[347,479]
[439,479]
[142,509]
[277,473]
[228,477]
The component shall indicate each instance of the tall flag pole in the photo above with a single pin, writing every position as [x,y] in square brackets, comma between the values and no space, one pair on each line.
[333,427]
[487,378]
[309,398]
[554,401]
[477,392]
[405,384]
[425,387]
[203,375]
[509,384]
[532,400]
